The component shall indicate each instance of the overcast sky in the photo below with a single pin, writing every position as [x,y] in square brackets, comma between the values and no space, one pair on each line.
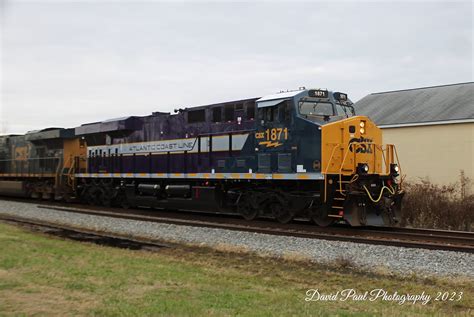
[68,63]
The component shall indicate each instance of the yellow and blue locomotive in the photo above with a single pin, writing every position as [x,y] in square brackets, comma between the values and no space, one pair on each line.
[302,153]
[293,154]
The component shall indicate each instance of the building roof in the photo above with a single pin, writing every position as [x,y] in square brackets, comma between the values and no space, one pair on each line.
[420,106]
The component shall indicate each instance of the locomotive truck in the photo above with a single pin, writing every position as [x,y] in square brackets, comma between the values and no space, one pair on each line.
[302,153]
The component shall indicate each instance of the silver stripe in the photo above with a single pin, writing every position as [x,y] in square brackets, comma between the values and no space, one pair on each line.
[219,143]
[243,176]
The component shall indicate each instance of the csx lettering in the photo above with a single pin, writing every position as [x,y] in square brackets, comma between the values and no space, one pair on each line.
[363,147]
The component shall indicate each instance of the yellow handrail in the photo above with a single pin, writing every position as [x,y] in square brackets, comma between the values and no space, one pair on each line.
[355,155]
[399,166]
[332,154]
[387,159]
[336,145]
[70,173]
[342,165]
[57,177]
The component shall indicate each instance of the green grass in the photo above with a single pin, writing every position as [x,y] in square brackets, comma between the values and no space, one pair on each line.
[41,275]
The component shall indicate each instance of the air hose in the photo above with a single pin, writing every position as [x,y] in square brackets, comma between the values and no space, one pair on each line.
[390,190]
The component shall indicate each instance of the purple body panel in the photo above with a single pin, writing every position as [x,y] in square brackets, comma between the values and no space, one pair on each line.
[235,116]
[163,163]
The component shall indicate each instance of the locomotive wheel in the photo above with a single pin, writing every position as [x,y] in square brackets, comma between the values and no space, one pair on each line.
[320,217]
[122,201]
[246,209]
[68,198]
[106,198]
[107,193]
[89,196]
[95,196]
[280,213]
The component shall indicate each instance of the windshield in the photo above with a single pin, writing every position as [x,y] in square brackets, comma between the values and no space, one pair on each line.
[344,110]
[315,108]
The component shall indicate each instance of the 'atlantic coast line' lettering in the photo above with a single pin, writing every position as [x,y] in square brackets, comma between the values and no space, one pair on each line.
[159,147]
[144,147]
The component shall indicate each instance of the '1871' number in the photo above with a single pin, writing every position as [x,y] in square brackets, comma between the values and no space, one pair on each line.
[275,134]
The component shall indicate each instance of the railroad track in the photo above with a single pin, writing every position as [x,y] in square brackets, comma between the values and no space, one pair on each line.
[403,237]
[85,235]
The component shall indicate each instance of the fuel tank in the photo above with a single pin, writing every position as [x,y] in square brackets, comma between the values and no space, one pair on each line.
[13,188]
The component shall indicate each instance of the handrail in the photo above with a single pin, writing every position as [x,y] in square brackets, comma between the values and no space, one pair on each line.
[57,178]
[70,172]
[355,156]
[387,159]
[399,166]
[342,165]
[332,154]
[32,158]
[336,145]
[29,167]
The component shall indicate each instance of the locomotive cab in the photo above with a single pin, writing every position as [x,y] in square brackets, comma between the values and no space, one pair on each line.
[319,107]
[289,125]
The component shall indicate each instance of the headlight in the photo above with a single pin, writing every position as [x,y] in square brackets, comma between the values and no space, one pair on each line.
[363,168]
[394,169]
[362,130]
[362,124]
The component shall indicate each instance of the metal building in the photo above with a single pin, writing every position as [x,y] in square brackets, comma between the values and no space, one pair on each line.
[432,127]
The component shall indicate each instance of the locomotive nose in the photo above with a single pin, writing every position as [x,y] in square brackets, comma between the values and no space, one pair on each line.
[349,144]
[360,173]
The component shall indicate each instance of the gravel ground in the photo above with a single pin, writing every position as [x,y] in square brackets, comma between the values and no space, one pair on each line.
[367,257]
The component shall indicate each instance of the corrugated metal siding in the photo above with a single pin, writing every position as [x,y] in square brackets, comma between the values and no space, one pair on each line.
[438,153]
[440,103]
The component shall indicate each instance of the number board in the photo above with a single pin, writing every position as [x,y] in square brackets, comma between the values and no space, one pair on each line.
[318,93]
[340,96]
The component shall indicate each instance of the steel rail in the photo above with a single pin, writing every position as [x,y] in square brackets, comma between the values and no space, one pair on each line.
[401,237]
[83,234]
[460,241]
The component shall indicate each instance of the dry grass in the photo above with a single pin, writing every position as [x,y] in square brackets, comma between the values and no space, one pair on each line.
[41,276]
[427,205]
[224,247]
[295,257]
[344,263]
[47,301]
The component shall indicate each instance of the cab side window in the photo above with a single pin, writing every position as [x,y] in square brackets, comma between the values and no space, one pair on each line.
[284,112]
[267,114]
[280,113]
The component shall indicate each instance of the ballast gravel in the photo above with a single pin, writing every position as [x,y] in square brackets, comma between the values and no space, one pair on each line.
[397,260]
